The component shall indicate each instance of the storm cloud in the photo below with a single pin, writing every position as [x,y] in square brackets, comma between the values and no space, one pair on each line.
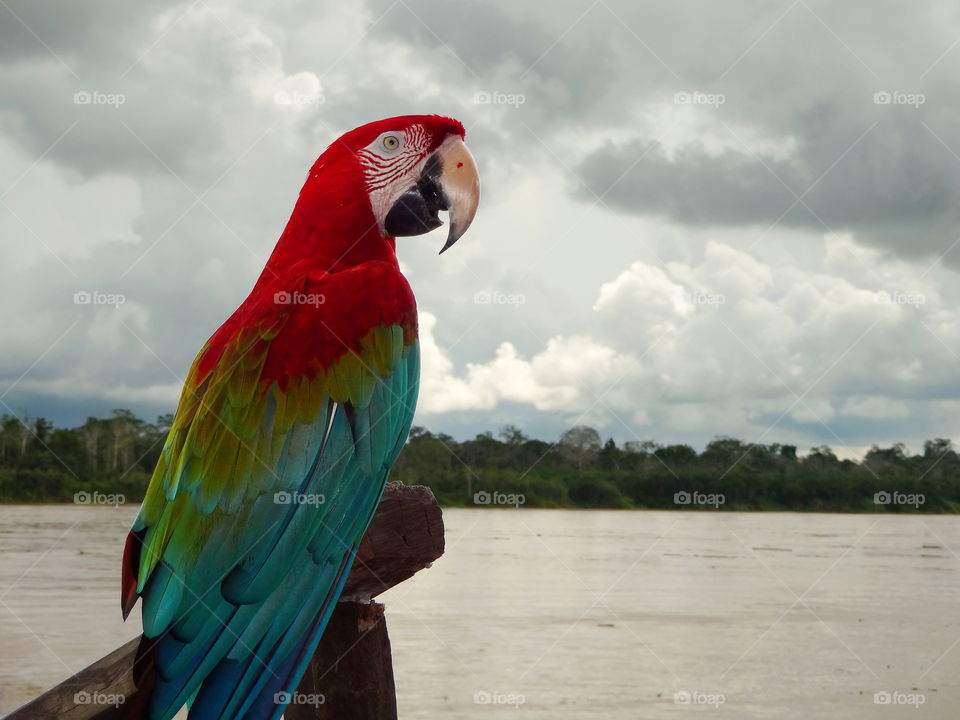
[698,219]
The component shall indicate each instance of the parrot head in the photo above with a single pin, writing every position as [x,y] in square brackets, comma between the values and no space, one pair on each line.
[407,169]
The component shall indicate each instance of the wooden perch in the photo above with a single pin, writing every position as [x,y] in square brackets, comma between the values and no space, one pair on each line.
[350,676]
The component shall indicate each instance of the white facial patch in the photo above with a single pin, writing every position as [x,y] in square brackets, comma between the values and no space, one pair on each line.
[391,165]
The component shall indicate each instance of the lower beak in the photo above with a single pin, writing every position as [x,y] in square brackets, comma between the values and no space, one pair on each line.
[449,181]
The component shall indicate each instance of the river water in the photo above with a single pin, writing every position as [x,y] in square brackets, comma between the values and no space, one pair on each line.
[542,614]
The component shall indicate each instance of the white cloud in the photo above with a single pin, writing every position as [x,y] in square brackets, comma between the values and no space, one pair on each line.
[570,376]
[644,288]
[53,214]
[730,343]
[642,317]
[875,407]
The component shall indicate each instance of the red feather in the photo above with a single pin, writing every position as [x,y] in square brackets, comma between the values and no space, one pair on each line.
[331,248]
[131,562]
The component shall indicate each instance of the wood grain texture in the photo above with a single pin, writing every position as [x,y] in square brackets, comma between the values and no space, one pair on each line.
[351,674]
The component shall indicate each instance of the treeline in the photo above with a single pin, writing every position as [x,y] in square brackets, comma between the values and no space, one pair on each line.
[43,463]
[114,456]
[582,471]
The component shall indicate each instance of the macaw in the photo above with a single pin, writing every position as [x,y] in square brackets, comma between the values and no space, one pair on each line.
[289,421]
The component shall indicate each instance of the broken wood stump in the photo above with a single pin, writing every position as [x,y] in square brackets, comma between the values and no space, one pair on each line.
[350,676]
[354,657]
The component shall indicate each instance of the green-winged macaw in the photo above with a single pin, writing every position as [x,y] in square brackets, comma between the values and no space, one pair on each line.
[289,421]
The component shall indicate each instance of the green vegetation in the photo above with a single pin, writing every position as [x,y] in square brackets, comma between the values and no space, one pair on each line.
[579,471]
[115,456]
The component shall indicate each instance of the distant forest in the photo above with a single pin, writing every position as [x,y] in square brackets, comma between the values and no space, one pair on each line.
[110,460]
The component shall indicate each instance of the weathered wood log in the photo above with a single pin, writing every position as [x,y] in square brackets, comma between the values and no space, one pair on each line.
[353,660]
[406,535]
[351,669]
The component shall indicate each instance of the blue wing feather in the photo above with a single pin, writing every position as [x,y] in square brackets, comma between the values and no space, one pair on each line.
[229,636]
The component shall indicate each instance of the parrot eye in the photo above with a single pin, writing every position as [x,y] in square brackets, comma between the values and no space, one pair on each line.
[391,142]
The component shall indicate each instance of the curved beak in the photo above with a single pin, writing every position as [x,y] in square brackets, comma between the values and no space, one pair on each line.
[449,181]
[460,182]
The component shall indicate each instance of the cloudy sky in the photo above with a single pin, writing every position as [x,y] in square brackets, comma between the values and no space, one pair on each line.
[698,218]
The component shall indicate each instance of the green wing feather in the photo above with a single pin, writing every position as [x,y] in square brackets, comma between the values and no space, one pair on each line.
[221,529]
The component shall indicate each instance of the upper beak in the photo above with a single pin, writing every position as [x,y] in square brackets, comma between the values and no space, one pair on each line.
[449,181]
[460,182]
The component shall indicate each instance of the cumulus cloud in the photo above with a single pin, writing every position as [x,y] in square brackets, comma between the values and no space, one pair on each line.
[564,377]
[714,224]
[732,342]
